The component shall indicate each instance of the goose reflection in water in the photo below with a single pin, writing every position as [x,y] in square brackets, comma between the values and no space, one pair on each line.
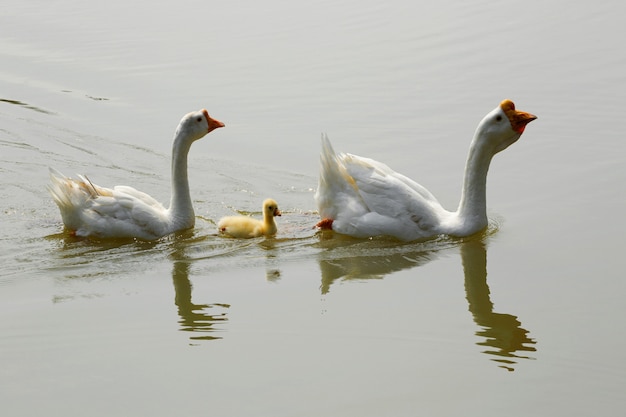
[501,333]
[347,258]
[195,317]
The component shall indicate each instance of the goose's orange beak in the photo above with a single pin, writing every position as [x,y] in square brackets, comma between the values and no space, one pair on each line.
[519,119]
[213,123]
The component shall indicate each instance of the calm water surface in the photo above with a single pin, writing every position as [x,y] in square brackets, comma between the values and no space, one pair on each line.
[524,319]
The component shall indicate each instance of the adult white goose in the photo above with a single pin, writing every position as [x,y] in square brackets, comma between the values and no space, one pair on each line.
[361,197]
[124,212]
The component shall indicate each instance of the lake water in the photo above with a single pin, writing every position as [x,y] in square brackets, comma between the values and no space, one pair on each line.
[525,319]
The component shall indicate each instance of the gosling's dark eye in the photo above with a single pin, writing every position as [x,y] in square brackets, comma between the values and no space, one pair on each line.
[199,119]
[499,118]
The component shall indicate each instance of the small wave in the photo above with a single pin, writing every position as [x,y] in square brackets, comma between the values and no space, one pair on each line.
[26,105]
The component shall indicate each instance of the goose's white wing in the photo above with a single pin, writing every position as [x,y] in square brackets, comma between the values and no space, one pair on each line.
[126,212]
[365,197]
[91,210]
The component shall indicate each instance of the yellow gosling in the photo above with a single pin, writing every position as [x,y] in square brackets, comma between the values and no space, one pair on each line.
[246,227]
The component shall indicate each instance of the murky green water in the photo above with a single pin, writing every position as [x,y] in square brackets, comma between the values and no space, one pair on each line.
[525,319]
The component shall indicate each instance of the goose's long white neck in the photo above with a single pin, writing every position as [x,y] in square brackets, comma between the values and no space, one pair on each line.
[472,211]
[181,209]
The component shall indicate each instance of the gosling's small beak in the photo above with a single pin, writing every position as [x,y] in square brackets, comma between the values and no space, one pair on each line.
[277,212]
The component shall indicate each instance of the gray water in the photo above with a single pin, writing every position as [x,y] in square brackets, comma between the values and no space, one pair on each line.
[524,319]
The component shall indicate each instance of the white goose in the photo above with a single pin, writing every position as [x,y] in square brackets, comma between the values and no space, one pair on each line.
[361,197]
[124,212]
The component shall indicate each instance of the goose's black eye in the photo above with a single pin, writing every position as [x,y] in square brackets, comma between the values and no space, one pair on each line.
[199,119]
[499,118]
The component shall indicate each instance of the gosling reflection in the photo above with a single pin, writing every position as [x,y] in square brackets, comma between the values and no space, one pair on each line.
[503,334]
[194,317]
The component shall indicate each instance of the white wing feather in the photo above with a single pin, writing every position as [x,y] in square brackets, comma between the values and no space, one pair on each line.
[365,197]
[123,211]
